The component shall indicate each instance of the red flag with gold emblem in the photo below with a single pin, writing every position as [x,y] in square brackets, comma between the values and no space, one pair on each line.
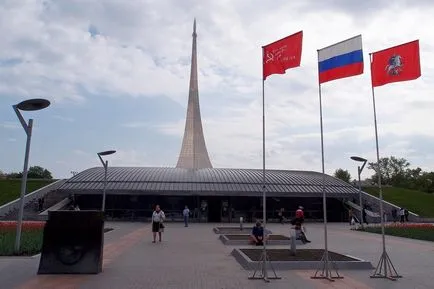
[282,54]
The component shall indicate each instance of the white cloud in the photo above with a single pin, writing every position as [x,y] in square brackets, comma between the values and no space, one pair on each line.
[143,48]
[9,125]
[136,124]
[64,118]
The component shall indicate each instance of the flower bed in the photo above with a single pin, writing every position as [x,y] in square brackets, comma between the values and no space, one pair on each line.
[32,234]
[31,238]
[413,231]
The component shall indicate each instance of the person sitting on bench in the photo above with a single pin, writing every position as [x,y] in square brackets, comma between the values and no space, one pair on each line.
[257,236]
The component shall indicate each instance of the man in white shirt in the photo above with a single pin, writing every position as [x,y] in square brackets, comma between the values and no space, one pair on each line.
[186,214]
[402,215]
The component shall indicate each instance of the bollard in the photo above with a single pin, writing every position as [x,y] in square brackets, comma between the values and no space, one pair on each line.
[293,242]
[241,223]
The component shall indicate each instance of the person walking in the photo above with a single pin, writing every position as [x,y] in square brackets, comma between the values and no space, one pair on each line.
[280,214]
[158,218]
[350,216]
[394,214]
[406,214]
[364,219]
[186,214]
[401,215]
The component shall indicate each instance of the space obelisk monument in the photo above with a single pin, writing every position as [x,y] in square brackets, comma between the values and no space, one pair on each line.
[194,154]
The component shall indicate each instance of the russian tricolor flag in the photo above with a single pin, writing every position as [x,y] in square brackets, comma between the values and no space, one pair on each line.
[341,60]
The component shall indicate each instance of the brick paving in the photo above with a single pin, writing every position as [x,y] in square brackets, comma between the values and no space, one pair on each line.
[193,257]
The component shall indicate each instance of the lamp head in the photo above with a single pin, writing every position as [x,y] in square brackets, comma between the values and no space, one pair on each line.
[358,159]
[106,153]
[33,104]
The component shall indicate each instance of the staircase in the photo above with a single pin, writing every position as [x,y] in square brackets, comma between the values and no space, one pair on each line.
[50,194]
[373,212]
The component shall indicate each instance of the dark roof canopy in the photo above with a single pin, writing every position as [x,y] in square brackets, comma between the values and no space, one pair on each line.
[210,181]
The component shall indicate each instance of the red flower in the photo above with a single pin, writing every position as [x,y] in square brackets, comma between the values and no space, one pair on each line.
[411,226]
[26,225]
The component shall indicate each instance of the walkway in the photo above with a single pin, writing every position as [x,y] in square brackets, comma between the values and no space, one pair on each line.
[193,257]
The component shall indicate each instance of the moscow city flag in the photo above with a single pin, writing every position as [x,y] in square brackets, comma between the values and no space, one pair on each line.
[398,63]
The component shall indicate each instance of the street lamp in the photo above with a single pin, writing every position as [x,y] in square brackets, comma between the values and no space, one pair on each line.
[27,105]
[105,165]
[359,172]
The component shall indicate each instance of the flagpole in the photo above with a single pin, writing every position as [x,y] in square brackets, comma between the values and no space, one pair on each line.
[264,193]
[324,198]
[264,258]
[325,258]
[384,264]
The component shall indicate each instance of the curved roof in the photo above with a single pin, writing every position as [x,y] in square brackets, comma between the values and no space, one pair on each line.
[209,181]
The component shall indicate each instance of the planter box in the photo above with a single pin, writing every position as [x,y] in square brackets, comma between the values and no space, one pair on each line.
[234,230]
[305,259]
[237,240]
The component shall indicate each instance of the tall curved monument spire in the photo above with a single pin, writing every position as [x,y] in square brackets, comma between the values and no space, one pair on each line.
[194,154]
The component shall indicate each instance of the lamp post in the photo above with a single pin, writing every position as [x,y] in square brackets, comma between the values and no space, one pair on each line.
[27,105]
[359,172]
[105,165]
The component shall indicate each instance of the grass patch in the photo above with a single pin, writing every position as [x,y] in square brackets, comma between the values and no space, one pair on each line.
[10,189]
[31,243]
[31,238]
[418,202]
[419,232]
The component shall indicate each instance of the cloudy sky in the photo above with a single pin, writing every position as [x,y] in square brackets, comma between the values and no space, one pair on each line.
[117,74]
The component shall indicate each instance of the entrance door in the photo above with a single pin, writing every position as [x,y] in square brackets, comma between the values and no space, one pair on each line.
[225,211]
[214,209]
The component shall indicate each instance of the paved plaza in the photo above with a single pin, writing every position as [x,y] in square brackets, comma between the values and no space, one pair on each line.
[194,257]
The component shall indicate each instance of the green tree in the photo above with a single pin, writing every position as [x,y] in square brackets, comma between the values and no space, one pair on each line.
[426,182]
[37,172]
[394,171]
[342,175]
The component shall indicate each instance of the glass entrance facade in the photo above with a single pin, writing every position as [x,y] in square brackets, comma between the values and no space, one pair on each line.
[215,209]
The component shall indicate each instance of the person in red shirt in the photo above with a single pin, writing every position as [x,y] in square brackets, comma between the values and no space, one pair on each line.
[299,214]
[299,220]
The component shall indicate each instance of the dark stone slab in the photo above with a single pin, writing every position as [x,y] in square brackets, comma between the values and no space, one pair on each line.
[73,243]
